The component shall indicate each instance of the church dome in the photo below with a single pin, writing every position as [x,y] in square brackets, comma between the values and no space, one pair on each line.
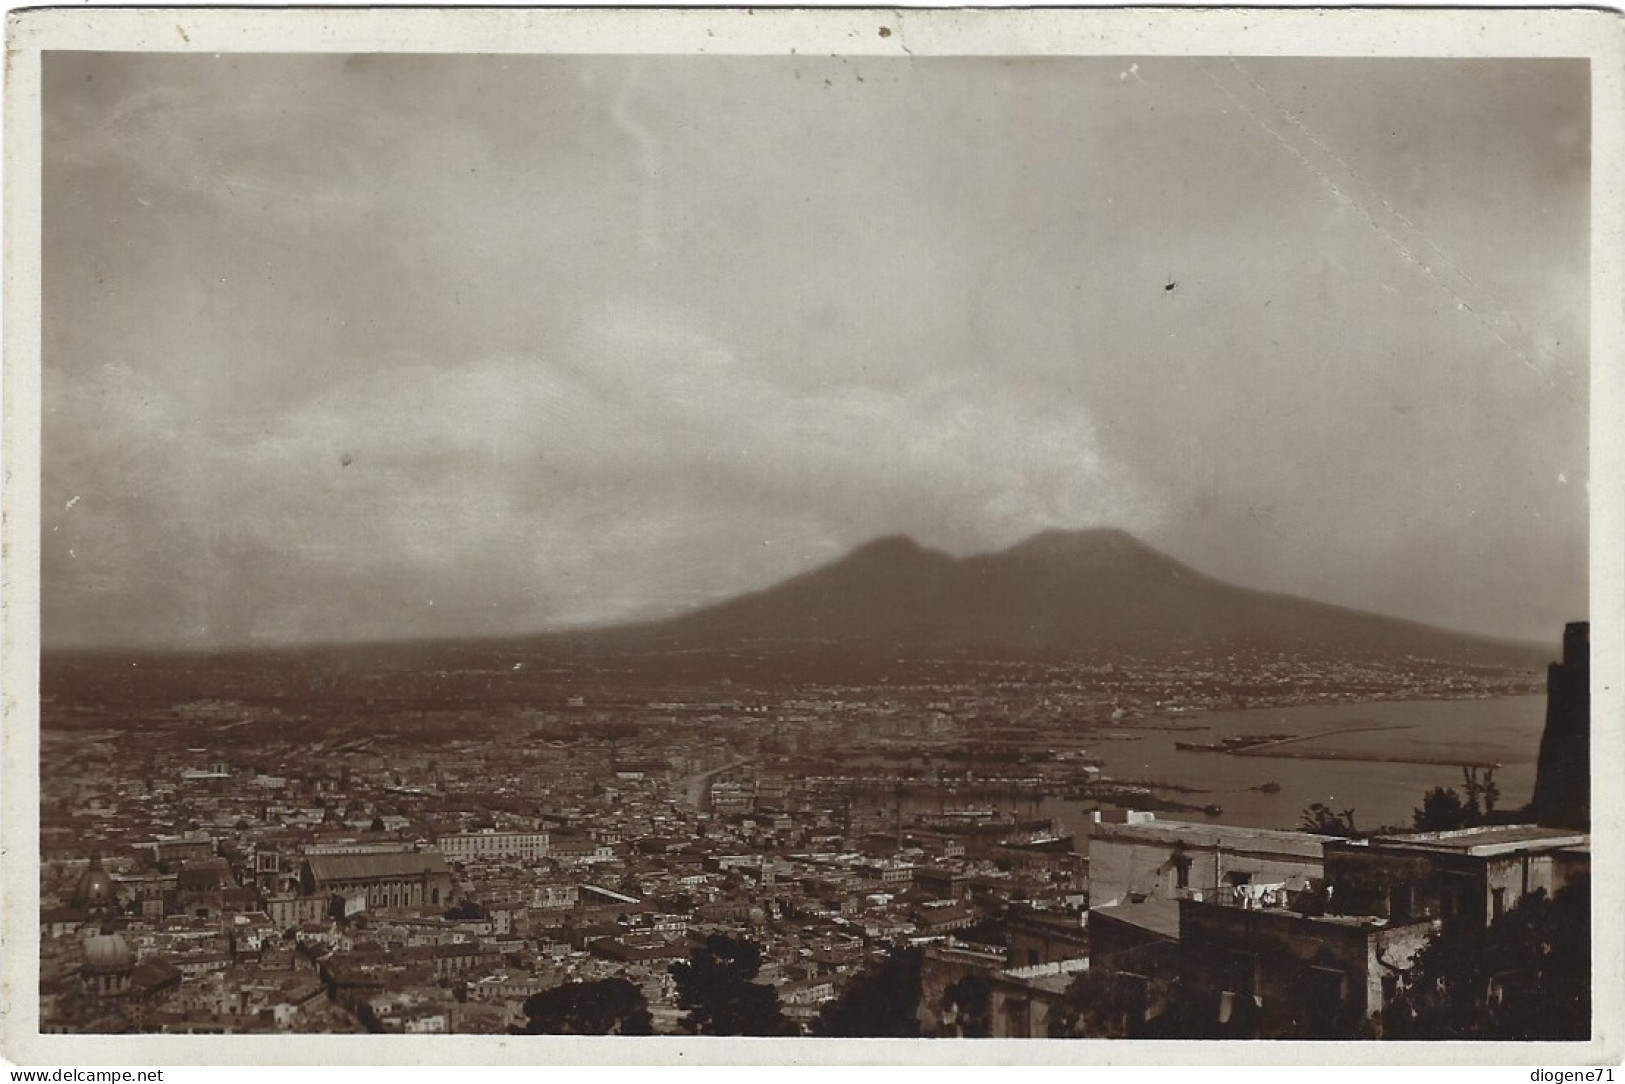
[108,952]
[95,888]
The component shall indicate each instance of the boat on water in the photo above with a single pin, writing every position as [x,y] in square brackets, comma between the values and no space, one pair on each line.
[1047,842]
[1235,744]
[976,824]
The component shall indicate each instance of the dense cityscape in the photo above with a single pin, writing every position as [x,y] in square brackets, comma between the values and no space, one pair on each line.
[226,866]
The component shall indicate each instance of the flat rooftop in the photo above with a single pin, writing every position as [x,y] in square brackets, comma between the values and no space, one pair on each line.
[1485,841]
[1286,914]
[1193,834]
[1160,917]
[1053,978]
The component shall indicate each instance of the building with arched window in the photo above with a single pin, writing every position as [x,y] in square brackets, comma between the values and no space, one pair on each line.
[413,880]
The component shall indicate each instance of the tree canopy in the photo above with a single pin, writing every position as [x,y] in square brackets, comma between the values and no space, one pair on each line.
[1442,811]
[881,1002]
[1527,976]
[714,987]
[967,1008]
[1323,820]
[1097,1004]
[467,910]
[1445,810]
[605,1007]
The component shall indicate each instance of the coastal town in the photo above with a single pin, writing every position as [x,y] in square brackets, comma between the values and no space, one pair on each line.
[806,525]
[425,868]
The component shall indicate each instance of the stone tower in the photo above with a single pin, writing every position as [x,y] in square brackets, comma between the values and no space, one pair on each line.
[1563,780]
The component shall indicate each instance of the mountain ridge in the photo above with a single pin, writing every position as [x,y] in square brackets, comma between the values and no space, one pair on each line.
[1054,593]
[889,607]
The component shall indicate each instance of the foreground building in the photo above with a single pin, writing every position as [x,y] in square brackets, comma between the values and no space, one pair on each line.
[1472,873]
[1323,962]
[1256,971]
[1156,859]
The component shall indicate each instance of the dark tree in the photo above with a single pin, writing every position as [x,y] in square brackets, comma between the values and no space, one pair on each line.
[714,986]
[605,1007]
[679,903]
[1097,1004]
[967,1008]
[466,910]
[1482,794]
[987,931]
[1525,977]
[1442,811]
[881,1002]
[1321,819]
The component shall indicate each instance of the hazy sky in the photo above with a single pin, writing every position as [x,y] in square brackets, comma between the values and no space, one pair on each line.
[373,346]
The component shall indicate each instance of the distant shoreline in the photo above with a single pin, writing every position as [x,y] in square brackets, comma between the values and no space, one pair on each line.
[1372,758]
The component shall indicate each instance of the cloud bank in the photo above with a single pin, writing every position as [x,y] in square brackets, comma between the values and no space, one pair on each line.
[642,469]
[342,347]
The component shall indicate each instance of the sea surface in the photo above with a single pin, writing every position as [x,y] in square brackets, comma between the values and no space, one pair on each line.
[1381,774]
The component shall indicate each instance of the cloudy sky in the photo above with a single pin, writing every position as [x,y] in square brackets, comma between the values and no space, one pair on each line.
[343,347]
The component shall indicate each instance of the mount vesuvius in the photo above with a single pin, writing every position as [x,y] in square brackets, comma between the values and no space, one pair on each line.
[889,610]
[1058,594]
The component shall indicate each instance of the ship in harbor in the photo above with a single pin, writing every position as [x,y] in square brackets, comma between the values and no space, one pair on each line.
[1239,743]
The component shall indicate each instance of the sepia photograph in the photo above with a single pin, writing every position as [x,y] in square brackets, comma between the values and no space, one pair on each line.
[854,525]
